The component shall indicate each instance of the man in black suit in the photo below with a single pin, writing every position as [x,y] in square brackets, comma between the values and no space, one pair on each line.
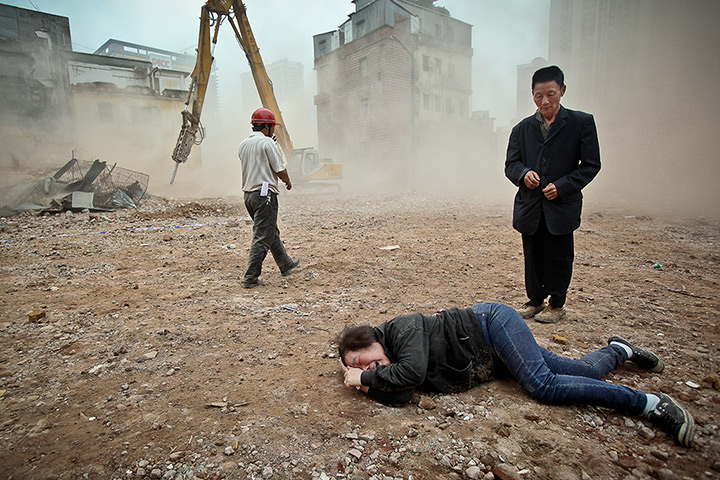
[551,156]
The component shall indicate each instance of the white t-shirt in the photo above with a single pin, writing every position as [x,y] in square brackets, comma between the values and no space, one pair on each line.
[260,158]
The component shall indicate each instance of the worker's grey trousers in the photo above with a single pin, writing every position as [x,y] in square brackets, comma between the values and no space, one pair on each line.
[266,236]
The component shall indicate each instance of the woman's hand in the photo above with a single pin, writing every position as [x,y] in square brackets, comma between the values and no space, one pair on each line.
[352,378]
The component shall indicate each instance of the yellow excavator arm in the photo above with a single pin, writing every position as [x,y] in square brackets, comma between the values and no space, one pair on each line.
[212,15]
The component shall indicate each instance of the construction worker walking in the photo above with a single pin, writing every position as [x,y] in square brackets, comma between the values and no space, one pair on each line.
[262,164]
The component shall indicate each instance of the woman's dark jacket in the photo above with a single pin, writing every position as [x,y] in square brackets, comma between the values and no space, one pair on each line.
[446,353]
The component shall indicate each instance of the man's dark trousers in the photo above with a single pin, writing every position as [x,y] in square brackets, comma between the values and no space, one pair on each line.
[266,236]
[548,265]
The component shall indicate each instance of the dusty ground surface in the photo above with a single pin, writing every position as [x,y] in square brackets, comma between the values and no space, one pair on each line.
[151,361]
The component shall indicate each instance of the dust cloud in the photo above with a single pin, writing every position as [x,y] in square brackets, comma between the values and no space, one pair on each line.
[656,103]
[656,106]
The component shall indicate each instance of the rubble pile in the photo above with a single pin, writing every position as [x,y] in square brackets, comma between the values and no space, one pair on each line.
[78,185]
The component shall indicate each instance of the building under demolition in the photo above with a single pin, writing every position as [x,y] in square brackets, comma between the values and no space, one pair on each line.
[55,101]
[394,94]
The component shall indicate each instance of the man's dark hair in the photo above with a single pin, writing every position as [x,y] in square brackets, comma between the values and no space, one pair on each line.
[354,338]
[548,74]
[256,127]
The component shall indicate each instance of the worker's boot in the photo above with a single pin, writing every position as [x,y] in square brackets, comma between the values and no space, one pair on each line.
[286,271]
[253,283]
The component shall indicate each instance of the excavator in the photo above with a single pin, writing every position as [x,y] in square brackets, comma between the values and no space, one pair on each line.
[304,164]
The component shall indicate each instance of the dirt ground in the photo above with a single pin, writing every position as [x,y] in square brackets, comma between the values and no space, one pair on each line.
[128,348]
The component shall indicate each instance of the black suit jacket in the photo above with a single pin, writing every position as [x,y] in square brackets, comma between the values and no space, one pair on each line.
[569,158]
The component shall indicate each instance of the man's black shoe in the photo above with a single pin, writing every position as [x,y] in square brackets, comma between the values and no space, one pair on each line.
[294,264]
[252,284]
[674,419]
[642,358]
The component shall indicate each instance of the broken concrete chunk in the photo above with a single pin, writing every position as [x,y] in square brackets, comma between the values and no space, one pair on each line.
[36,315]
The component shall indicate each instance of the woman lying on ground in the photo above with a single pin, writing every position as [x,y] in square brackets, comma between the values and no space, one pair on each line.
[457,349]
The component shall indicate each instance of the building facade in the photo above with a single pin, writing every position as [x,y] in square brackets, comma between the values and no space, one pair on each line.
[167,60]
[524,104]
[32,77]
[56,101]
[394,89]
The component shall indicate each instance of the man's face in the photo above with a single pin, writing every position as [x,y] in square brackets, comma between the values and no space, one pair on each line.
[547,97]
[269,129]
[367,358]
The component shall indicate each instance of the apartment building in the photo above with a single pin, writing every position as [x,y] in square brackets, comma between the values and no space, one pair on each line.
[394,91]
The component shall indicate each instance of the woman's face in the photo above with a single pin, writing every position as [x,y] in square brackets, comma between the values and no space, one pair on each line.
[367,358]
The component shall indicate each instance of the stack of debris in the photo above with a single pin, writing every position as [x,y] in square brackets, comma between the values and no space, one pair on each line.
[79,185]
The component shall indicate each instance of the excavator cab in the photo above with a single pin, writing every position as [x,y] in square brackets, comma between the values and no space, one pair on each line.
[305,164]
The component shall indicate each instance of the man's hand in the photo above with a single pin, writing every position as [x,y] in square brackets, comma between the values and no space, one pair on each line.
[283,175]
[550,191]
[531,179]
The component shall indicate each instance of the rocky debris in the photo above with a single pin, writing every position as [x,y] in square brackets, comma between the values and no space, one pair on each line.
[426,403]
[156,366]
[711,381]
[506,472]
[78,185]
[36,316]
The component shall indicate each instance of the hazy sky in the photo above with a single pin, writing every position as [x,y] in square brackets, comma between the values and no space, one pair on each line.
[505,33]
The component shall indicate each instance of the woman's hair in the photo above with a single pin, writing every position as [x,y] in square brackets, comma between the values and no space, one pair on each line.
[354,338]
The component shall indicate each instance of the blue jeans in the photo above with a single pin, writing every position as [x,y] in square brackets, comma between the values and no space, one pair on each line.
[266,236]
[551,378]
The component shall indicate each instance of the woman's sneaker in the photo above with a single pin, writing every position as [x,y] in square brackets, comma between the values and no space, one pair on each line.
[642,358]
[674,419]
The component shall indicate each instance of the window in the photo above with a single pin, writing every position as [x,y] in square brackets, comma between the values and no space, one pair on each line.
[363,67]
[426,63]
[360,27]
[451,70]
[426,101]
[449,106]
[347,30]
[9,24]
[438,65]
[438,30]
[438,103]
[365,107]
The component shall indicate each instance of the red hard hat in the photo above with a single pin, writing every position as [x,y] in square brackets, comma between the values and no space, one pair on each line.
[263,115]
